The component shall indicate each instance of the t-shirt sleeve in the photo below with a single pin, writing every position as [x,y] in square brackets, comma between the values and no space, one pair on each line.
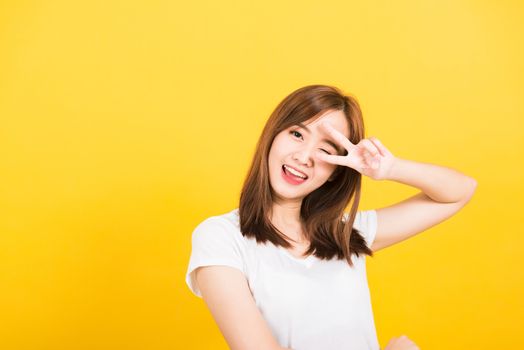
[366,223]
[214,241]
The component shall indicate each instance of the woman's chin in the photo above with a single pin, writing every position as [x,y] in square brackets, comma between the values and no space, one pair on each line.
[289,196]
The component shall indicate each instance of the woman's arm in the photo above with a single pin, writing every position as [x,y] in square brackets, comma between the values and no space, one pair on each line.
[444,191]
[441,184]
[227,295]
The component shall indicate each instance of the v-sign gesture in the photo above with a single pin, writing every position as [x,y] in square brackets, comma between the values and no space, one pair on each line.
[369,157]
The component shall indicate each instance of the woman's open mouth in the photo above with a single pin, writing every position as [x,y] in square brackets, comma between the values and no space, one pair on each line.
[293,176]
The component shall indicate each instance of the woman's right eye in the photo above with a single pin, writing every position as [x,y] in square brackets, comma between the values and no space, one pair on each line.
[294,133]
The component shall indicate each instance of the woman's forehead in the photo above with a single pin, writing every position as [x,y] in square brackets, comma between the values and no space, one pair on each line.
[337,119]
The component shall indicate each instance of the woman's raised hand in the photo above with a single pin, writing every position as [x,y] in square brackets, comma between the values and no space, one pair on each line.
[369,157]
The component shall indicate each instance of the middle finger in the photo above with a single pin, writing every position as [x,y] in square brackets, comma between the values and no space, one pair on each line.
[369,146]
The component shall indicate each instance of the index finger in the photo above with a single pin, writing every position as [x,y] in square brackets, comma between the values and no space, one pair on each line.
[337,136]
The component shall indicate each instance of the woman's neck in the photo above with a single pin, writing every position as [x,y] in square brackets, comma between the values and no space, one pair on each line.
[286,217]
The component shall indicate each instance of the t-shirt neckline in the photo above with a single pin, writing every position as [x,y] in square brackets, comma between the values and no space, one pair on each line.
[306,261]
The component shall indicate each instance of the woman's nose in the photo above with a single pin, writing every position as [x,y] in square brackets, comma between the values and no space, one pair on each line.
[304,156]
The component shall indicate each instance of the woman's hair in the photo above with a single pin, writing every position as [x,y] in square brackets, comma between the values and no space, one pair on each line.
[329,230]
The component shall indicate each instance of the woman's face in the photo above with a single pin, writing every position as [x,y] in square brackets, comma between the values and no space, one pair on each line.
[296,149]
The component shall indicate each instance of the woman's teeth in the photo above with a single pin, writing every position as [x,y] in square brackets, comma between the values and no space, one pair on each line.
[294,172]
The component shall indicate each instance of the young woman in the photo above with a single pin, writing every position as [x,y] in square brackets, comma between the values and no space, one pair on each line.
[286,269]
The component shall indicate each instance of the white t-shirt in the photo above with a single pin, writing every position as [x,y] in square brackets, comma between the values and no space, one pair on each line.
[309,304]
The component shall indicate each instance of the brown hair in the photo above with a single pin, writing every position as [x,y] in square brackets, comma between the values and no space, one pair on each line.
[322,211]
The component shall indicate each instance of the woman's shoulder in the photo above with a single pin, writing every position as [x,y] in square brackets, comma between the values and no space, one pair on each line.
[360,216]
[366,223]
[365,220]
[219,226]
[229,218]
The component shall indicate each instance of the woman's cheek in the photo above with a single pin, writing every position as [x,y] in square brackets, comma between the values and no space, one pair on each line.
[323,175]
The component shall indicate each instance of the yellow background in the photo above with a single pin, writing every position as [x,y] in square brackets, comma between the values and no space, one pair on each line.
[125,123]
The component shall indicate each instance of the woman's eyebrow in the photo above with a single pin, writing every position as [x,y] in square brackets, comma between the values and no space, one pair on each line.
[325,140]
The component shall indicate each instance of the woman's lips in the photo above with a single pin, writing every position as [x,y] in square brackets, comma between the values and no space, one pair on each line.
[294,171]
[292,179]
